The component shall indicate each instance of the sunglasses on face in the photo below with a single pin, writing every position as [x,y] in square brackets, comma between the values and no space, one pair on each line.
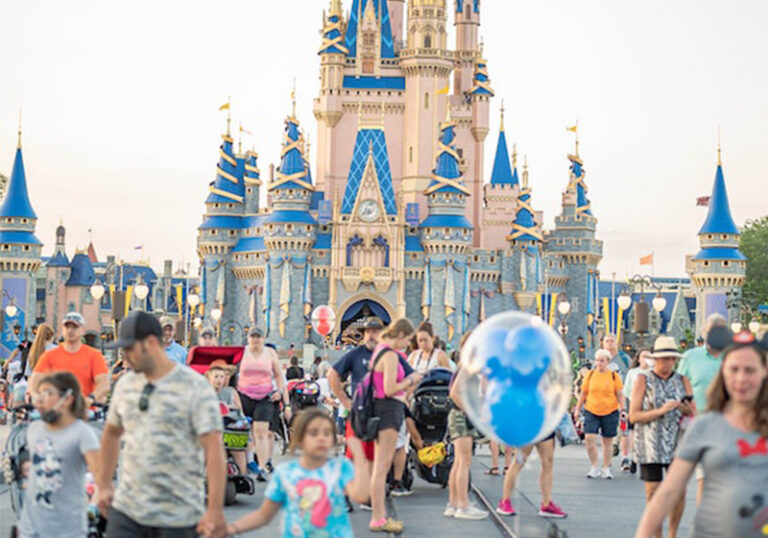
[145,394]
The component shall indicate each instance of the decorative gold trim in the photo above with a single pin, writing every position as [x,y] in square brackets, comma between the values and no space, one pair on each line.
[226,194]
[227,175]
[230,160]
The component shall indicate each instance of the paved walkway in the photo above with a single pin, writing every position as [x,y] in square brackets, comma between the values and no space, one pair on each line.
[595,507]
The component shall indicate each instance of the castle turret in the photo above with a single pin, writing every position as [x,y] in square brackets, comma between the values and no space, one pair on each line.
[479,101]
[446,235]
[525,239]
[426,64]
[573,253]
[20,257]
[221,229]
[499,196]
[467,22]
[252,180]
[290,233]
[719,268]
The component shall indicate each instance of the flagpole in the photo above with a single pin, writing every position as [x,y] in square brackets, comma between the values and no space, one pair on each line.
[610,306]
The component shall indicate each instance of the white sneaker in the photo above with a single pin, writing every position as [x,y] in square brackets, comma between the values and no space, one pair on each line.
[607,474]
[594,472]
[470,512]
[449,511]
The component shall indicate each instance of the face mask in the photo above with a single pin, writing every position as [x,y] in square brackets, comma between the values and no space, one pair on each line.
[52,416]
[650,362]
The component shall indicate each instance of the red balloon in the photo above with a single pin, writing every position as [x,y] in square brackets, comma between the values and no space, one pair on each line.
[323,327]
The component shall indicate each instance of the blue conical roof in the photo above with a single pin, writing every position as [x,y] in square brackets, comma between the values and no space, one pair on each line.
[577,184]
[369,142]
[292,172]
[387,45]
[502,172]
[333,41]
[16,201]
[719,219]
[59,259]
[446,177]
[81,273]
[227,187]
[252,174]
[481,82]
[524,228]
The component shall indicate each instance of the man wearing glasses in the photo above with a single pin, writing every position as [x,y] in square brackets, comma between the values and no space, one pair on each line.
[168,420]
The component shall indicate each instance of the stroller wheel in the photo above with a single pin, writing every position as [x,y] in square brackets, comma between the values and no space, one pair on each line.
[230,493]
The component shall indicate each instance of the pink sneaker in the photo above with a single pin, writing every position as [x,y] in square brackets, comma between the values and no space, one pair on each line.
[551,510]
[505,508]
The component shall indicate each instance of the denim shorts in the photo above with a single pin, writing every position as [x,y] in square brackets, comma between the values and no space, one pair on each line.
[605,425]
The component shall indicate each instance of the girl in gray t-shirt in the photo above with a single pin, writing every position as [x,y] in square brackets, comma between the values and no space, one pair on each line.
[730,442]
[61,447]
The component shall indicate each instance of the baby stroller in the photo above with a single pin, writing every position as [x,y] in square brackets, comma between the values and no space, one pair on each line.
[237,428]
[303,394]
[16,465]
[430,407]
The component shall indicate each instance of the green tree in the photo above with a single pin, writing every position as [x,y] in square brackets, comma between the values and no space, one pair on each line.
[754,245]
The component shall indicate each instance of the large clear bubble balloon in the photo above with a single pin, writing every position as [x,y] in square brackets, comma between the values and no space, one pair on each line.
[517,383]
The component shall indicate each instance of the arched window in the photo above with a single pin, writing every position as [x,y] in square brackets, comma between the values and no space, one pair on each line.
[468,12]
[428,41]
[426,100]
[410,154]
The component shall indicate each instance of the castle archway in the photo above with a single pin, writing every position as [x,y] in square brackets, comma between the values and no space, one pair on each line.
[355,310]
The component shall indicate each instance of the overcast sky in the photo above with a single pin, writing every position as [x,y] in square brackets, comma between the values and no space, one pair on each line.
[121,123]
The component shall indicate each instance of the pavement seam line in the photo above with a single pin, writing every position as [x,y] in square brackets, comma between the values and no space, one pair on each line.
[498,521]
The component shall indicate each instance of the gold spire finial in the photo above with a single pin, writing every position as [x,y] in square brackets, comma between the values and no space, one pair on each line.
[229,113]
[719,156]
[525,171]
[335,7]
[501,127]
[514,155]
[306,157]
[447,111]
[18,143]
[293,99]
[240,139]
[482,46]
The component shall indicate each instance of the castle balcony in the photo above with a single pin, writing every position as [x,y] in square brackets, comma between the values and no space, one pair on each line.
[380,277]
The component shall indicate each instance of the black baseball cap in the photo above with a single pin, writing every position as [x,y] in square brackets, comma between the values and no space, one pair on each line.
[137,326]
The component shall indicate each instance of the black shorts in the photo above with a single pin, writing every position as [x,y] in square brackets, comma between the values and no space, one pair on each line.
[259,410]
[391,413]
[121,526]
[605,425]
[653,472]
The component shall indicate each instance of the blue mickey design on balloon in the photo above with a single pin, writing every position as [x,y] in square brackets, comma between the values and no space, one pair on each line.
[515,362]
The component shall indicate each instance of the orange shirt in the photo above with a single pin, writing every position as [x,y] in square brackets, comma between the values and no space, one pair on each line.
[85,365]
[601,389]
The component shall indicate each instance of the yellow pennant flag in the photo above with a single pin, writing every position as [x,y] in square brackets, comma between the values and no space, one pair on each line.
[225,106]
[444,91]
[573,129]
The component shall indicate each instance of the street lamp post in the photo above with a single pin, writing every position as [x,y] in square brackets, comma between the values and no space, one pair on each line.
[642,308]
[216,317]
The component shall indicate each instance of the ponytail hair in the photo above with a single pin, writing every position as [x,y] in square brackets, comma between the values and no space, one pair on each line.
[398,328]
[42,337]
[62,382]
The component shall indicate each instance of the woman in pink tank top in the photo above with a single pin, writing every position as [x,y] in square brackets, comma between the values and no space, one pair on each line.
[389,383]
[259,375]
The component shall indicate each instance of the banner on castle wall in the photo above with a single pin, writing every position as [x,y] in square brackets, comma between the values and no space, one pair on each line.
[716,304]
[324,211]
[412,214]
[16,288]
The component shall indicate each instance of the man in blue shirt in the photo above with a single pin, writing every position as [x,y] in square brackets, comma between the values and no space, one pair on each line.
[176,352]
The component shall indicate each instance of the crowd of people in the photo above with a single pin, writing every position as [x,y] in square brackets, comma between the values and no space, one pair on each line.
[704,412]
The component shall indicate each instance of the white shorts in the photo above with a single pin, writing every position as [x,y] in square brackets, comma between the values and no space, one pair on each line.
[402,437]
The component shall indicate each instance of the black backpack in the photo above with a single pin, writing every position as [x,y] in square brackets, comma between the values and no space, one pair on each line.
[364,421]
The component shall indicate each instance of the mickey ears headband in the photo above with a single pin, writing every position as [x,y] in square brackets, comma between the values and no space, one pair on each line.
[747,338]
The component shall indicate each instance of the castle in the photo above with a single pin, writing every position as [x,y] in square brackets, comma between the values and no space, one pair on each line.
[401,219]
[398,217]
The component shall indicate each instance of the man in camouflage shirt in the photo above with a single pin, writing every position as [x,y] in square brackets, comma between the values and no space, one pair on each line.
[167,417]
